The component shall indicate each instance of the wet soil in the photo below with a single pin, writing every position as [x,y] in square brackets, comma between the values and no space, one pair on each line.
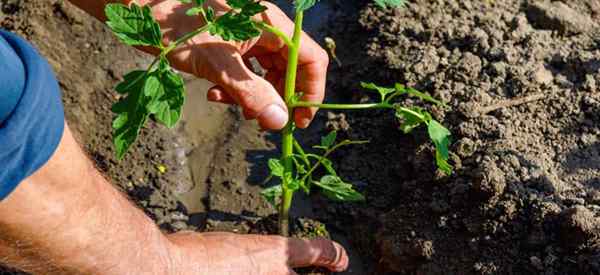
[525,195]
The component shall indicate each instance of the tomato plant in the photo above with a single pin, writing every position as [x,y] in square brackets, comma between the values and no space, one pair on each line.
[158,92]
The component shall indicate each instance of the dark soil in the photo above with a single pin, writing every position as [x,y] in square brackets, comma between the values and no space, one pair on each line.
[525,195]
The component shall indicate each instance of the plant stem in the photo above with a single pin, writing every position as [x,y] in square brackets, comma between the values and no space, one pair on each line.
[383,105]
[288,131]
[266,27]
[185,38]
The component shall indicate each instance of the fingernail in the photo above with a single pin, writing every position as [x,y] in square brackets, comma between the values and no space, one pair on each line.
[273,117]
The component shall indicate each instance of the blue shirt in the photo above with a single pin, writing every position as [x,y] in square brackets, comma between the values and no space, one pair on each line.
[31,112]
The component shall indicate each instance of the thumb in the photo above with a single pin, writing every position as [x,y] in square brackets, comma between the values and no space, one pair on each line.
[257,97]
[317,252]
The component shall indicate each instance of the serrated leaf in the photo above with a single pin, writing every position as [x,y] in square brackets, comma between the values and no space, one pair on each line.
[253,9]
[276,167]
[238,4]
[412,118]
[335,189]
[272,194]
[302,5]
[210,14]
[441,138]
[131,114]
[134,25]
[166,107]
[159,93]
[328,140]
[390,3]
[128,80]
[383,91]
[236,27]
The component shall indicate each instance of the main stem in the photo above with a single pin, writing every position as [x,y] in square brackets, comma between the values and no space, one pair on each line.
[288,132]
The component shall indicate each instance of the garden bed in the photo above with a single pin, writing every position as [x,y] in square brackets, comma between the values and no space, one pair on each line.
[525,195]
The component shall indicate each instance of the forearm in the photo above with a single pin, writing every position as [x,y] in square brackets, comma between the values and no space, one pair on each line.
[67,219]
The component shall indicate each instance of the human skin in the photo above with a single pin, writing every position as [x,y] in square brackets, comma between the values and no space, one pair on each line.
[224,63]
[68,219]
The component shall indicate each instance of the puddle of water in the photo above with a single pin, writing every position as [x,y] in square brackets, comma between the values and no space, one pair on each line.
[203,125]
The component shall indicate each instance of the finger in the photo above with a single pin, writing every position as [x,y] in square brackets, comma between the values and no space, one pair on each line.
[318,252]
[218,94]
[312,77]
[255,95]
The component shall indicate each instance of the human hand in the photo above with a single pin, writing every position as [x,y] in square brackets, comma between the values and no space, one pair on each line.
[228,253]
[225,63]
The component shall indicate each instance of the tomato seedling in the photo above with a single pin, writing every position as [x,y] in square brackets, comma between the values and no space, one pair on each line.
[159,92]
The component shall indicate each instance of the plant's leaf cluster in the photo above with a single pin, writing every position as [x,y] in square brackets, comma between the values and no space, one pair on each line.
[413,117]
[236,24]
[133,25]
[158,93]
[305,165]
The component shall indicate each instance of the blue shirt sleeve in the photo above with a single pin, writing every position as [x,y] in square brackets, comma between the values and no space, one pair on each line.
[31,112]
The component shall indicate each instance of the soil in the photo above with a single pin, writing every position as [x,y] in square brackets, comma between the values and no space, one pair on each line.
[525,195]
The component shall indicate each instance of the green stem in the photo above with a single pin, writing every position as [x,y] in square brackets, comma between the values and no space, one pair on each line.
[288,131]
[266,27]
[326,154]
[343,106]
[185,38]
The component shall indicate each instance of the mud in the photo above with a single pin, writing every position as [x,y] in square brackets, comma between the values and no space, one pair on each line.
[525,195]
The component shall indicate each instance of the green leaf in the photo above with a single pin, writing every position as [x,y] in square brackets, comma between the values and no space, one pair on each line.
[328,140]
[129,80]
[253,9]
[167,105]
[133,25]
[271,194]
[276,167]
[294,185]
[131,113]
[441,138]
[327,163]
[159,93]
[302,5]
[383,91]
[236,27]
[424,96]
[412,118]
[238,4]
[246,7]
[210,14]
[194,11]
[390,3]
[335,189]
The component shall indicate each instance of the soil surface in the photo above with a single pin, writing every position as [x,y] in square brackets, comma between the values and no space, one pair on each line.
[525,195]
